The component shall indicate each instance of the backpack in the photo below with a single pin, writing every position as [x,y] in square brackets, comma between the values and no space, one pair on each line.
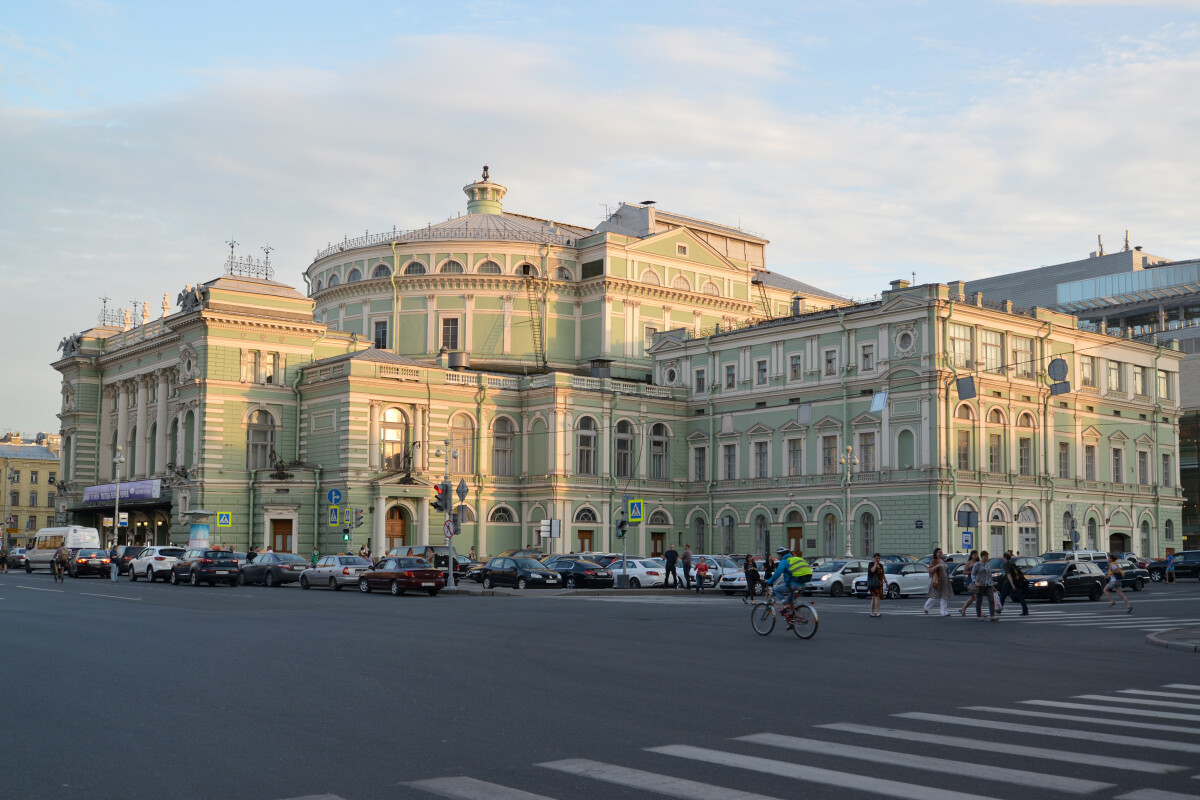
[1019,577]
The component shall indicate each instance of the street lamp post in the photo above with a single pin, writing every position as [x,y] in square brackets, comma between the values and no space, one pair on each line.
[118,460]
[12,481]
[848,462]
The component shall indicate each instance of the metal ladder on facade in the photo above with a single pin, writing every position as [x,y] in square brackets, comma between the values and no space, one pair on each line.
[535,320]
[762,295]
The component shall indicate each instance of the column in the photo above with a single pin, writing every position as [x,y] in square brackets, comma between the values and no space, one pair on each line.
[480,526]
[578,329]
[552,437]
[198,452]
[122,415]
[524,445]
[138,468]
[104,446]
[377,525]
[180,439]
[644,446]
[605,326]
[373,446]
[160,425]
[422,523]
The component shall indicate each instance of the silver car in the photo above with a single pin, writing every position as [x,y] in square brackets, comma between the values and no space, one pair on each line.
[334,572]
[836,578]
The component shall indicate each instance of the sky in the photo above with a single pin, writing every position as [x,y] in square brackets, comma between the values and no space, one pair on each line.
[867,140]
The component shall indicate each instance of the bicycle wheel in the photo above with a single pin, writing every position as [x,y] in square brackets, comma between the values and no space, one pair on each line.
[762,618]
[804,622]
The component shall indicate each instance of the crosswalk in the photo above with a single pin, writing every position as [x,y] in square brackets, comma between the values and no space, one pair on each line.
[1028,749]
[1107,618]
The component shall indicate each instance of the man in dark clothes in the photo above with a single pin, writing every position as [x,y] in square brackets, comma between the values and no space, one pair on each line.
[671,556]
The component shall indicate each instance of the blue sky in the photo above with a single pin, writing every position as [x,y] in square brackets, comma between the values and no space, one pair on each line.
[867,140]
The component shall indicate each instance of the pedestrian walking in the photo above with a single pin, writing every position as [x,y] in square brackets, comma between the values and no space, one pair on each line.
[972,589]
[316,556]
[1013,583]
[1115,574]
[752,578]
[686,561]
[701,575]
[940,590]
[364,552]
[471,553]
[670,557]
[1170,567]
[876,580]
[3,558]
[987,587]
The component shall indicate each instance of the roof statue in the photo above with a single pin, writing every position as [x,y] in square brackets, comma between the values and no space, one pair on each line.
[127,321]
[485,173]
[166,304]
[145,313]
[190,298]
[70,344]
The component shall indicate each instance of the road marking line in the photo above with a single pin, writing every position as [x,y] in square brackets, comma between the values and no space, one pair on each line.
[1156,794]
[983,771]
[649,781]
[113,596]
[1012,749]
[1189,686]
[1133,712]
[466,788]
[36,589]
[1150,726]
[848,782]
[1063,733]
[1137,701]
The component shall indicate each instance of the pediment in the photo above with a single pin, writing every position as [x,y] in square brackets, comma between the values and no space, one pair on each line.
[652,247]
[758,429]
[866,419]
[901,301]
[697,436]
[667,340]
[792,425]
[401,479]
[829,422]
[1091,432]
[1118,437]
[1144,439]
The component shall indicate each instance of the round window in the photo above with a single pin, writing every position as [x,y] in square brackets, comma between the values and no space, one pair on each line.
[905,341]
[671,376]
[188,365]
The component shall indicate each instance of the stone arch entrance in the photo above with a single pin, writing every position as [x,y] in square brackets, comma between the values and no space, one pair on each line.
[1028,539]
[1119,542]
[396,527]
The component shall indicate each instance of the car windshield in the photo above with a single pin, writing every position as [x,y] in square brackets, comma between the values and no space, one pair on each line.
[218,554]
[290,557]
[1055,556]
[91,553]
[589,564]
[174,552]
[413,563]
[353,561]
[529,563]
[654,562]
[893,569]
[1047,568]
[830,566]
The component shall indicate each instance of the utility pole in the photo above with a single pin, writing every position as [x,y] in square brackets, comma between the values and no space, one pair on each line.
[848,462]
[118,460]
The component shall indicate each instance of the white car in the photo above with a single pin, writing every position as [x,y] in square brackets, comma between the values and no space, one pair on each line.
[902,580]
[836,578]
[643,572]
[154,562]
[735,583]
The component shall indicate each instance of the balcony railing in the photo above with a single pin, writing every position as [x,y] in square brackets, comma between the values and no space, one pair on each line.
[431,234]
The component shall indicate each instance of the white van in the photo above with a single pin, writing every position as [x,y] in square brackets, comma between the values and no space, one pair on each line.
[1076,555]
[48,541]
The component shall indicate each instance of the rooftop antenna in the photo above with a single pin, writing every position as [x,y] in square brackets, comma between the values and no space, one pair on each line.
[1126,240]
[914,274]
[1100,241]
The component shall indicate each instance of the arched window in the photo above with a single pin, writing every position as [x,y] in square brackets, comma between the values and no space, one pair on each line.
[659,518]
[462,445]
[502,447]
[905,450]
[1066,528]
[414,268]
[659,453]
[711,288]
[173,441]
[1168,533]
[964,412]
[189,439]
[354,276]
[527,270]
[698,532]
[681,282]
[465,512]
[651,277]
[995,417]
[334,280]
[1091,534]
[1145,543]
[382,271]
[452,268]
[794,517]
[585,447]
[393,434]
[624,449]
[67,463]
[831,535]
[489,268]
[260,440]
[1025,421]
[318,286]
[501,514]
[562,274]
[130,452]
[762,534]
[867,523]
[587,514]
[728,532]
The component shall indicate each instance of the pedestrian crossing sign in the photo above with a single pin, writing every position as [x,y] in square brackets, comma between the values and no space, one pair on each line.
[635,510]
[333,516]
[224,519]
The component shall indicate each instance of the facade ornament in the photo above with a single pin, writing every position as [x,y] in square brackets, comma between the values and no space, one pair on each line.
[145,313]
[166,304]
[190,299]
[70,344]
[68,398]
[127,320]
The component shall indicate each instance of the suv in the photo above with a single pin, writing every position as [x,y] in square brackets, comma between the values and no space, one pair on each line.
[154,562]
[125,556]
[200,564]
[1187,565]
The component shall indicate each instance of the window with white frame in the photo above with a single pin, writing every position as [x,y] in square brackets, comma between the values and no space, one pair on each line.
[1118,465]
[1164,385]
[1087,371]
[729,456]
[659,453]
[585,447]
[761,469]
[462,445]
[1141,381]
[730,376]
[760,372]
[991,351]
[866,452]
[450,333]
[393,434]
[700,382]
[1089,462]
[1025,455]
[829,455]
[964,449]
[502,447]
[648,335]
[1116,376]
[831,362]
[260,440]
[795,456]
[795,368]
[867,358]
[1022,356]
[1064,460]
[381,335]
[624,445]
[700,464]
[961,343]
[1143,467]
[995,453]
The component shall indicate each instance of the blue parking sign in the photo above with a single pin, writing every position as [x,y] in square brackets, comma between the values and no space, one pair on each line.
[967,540]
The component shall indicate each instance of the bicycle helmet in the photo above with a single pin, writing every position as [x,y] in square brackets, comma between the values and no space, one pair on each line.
[779,551]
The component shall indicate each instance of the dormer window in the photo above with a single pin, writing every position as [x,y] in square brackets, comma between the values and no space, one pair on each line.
[681,250]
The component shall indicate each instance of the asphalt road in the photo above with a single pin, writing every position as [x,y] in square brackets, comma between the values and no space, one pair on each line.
[135,690]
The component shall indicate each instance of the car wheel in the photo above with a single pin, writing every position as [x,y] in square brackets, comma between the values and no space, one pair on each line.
[893,592]
[634,583]
[174,578]
[1138,585]
[362,585]
[132,574]
[270,579]
[1096,593]
[570,582]
[837,590]
[303,582]
[394,588]
[433,592]
[1057,594]
[241,579]
[333,585]
[1156,577]
[194,579]
[521,584]
[150,574]
[487,583]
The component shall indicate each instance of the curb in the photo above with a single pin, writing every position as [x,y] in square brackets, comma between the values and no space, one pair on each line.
[1156,639]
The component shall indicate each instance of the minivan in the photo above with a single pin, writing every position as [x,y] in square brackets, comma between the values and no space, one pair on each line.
[48,540]
[1075,555]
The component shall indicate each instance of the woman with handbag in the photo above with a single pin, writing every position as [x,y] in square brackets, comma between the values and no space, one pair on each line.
[875,584]
[940,590]
[972,589]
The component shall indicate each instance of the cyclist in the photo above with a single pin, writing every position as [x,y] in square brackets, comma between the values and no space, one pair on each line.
[59,563]
[791,574]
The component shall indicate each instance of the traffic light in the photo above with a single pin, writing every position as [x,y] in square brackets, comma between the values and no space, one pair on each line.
[622,524]
[346,536]
[441,497]
[358,517]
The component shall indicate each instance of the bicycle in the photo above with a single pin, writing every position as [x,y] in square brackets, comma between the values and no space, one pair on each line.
[802,618]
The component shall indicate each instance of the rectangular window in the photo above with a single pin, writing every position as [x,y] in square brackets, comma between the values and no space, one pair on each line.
[991,351]
[1118,465]
[760,372]
[33,476]
[624,452]
[1064,460]
[1025,448]
[681,249]
[381,335]
[868,358]
[796,368]
[701,384]
[50,498]
[14,498]
[1143,468]
[1141,381]
[831,362]
[1089,462]
[829,454]
[866,452]
[730,452]
[1168,477]
[960,345]
[1022,356]
[658,458]
[700,464]
[995,453]
[964,449]
[760,460]
[270,365]
[1116,376]
[1164,385]
[1087,371]
[33,499]
[52,477]
[730,376]
[651,331]
[795,450]
[450,333]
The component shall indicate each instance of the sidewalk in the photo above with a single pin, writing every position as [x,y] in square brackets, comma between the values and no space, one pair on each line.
[1186,639]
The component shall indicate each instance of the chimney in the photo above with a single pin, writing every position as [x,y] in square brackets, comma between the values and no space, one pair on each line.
[977,299]
[12,437]
[899,284]
[459,360]
[958,290]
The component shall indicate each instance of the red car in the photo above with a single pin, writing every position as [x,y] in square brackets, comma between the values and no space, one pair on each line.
[399,574]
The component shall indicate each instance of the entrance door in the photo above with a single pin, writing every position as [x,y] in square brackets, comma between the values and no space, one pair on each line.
[1118,543]
[282,540]
[796,539]
[1027,538]
[395,528]
[996,545]
[656,543]
[585,541]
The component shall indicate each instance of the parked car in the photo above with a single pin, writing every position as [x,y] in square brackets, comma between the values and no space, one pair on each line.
[47,541]
[523,573]
[835,578]
[401,574]
[1075,555]
[903,579]
[959,577]
[718,567]
[1135,577]
[895,558]
[125,556]
[1057,580]
[647,572]
[16,557]
[334,572]
[575,573]
[90,562]
[1187,565]
[200,564]
[521,552]
[274,569]
[735,583]
[154,562]
[996,565]
[438,556]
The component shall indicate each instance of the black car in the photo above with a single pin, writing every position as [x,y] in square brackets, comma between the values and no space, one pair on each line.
[274,569]
[90,562]
[1187,565]
[522,573]
[521,552]
[127,554]
[1134,576]
[575,572]
[959,577]
[200,564]
[1057,580]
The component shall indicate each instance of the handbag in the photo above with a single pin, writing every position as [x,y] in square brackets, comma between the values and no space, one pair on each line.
[873,581]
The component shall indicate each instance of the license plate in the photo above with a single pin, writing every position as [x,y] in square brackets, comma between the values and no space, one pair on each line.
[427,583]
[93,561]
[603,573]
[299,567]
[222,572]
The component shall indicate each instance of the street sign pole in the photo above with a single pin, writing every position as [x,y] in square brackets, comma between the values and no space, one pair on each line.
[624,582]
